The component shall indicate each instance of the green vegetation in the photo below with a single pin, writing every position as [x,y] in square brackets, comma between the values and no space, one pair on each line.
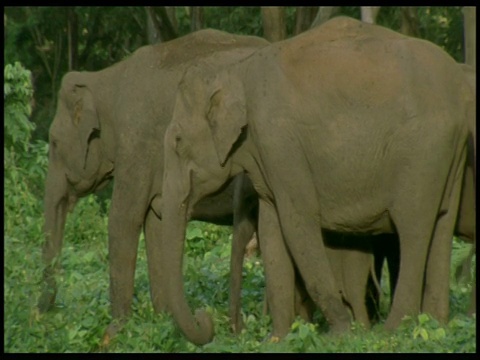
[82,309]
[39,37]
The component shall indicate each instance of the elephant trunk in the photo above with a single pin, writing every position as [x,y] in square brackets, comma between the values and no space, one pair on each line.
[56,204]
[199,328]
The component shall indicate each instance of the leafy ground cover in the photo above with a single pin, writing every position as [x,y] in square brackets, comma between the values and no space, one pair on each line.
[82,310]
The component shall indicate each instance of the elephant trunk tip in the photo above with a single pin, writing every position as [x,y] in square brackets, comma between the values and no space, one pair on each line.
[205,324]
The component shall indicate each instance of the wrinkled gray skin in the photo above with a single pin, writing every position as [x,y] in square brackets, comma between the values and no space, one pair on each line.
[365,169]
[112,123]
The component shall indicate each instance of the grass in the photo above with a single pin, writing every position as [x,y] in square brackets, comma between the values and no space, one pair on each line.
[82,309]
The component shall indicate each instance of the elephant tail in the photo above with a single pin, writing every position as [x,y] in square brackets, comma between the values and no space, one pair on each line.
[373,274]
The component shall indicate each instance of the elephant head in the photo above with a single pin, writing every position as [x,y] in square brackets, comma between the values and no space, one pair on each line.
[75,167]
[206,130]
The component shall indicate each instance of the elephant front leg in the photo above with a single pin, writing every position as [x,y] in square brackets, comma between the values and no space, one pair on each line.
[304,239]
[126,217]
[279,271]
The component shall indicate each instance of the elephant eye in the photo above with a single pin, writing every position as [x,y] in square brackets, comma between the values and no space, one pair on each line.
[178,139]
[53,143]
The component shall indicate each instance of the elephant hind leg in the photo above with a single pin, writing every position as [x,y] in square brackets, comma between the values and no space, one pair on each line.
[279,271]
[304,305]
[408,293]
[415,227]
[357,273]
[437,276]
[425,232]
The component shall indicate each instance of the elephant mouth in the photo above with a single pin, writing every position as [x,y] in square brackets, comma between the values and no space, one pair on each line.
[85,187]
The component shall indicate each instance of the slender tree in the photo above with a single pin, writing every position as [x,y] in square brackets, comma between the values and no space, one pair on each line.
[323,14]
[159,27]
[470,24]
[171,13]
[410,25]
[196,18]
[304,17]
[274,25]
[369,13]
[72,33]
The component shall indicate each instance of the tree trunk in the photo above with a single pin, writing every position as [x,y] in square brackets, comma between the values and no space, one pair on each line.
[274,26]
[369,13]
[304,17]
[470,23]
[159,28]
[196,18]
[153,27]
[72,28]
[171,13]
[324,13]
[410,24]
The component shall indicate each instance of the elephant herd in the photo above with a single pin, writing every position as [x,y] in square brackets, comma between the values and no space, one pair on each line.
[341,147]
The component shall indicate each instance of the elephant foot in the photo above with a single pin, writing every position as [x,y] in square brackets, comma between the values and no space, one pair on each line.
[392,322]
[281,330]
[46,300]
[340,327]
[338,317]
[111,331]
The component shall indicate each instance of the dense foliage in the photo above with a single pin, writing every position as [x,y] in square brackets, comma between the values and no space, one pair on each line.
[82,308]
[51,40]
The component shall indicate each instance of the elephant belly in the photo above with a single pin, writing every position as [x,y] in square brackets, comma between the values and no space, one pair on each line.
[352,221]
[216,209]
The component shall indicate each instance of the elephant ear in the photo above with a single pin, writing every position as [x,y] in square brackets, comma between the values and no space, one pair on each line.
[226,115]
[84,114]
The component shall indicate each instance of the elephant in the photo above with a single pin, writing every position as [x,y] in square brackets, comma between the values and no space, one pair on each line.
[465,221]
[360,147]
[352,267]
[111,123]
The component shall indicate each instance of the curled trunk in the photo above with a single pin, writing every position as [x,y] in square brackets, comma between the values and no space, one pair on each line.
[199,328]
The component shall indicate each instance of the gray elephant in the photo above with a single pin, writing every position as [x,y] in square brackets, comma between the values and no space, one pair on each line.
[361,150]
[111,123]
[351,257]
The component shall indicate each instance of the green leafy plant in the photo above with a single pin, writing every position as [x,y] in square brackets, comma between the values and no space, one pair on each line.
[18,94]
